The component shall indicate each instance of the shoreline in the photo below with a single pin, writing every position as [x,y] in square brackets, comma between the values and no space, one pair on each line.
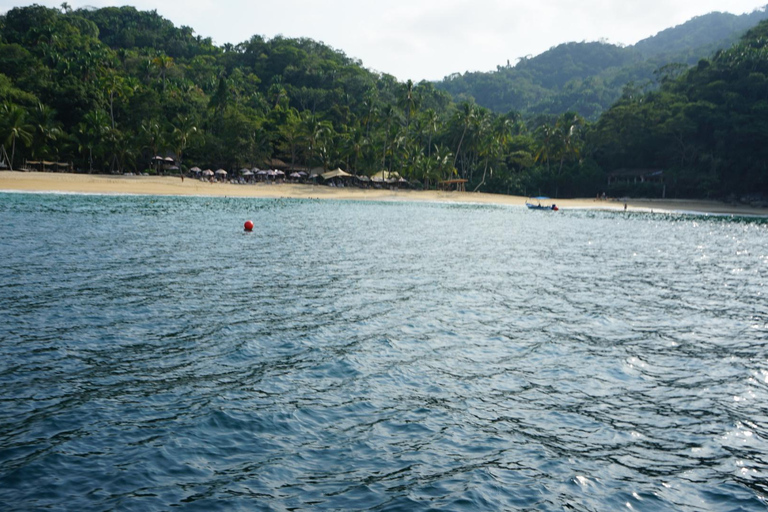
[49,182]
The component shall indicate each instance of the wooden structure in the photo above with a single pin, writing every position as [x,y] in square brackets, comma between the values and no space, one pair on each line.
[448,185]
[275,163]
[636,176]
[43,165]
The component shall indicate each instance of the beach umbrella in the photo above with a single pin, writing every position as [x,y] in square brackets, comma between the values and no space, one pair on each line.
[247,173]
[221,172]
[279,173]
[195,169]
[168,159]
[262,173]
[294,175]
[207,172]
[301,173]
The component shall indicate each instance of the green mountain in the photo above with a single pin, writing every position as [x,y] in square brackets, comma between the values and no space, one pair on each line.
[705,128]
[106,90]
[589,77]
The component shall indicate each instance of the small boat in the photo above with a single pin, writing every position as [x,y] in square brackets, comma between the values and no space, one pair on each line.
[538,206]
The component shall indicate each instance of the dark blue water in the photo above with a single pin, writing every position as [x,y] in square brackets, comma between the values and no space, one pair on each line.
[378,356]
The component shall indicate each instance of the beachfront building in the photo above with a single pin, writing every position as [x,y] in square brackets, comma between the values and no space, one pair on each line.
[45,166]
[642,181]
[636,176]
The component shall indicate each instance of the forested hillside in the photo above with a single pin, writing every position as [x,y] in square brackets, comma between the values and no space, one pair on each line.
[707,128]
[589,77]
[105,90]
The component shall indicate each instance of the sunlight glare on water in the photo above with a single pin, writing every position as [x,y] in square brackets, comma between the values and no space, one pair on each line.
[385,356]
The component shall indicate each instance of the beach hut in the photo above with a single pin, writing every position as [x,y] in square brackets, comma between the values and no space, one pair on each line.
[275,163]
[336,173]
[447,185]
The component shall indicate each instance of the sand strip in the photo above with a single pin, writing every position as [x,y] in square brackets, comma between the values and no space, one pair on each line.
[164,185]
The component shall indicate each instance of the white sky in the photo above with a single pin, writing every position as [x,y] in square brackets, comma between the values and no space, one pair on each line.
[427,39]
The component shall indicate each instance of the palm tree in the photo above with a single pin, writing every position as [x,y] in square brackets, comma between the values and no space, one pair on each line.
[464,117]
[442,158]
[46,129]
[316,132]
[431,123]
[388,116]
[15,126]
[262,146]
[291,133]
[566,131]
[163,63]
[546,139]
[408,103]
[92,134]
[152,136]
[115,86]
[493,140]
[184,128]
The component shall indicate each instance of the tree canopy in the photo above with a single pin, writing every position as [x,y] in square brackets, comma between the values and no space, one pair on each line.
[588,77]
[109,89]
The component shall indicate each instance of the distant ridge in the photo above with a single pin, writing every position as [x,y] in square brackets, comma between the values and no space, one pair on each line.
[589,77]
[707,33]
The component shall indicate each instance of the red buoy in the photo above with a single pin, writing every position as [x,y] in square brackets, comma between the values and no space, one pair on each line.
[248,225]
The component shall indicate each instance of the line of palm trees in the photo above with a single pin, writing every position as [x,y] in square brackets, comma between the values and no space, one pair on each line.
[96,137]
[421,144]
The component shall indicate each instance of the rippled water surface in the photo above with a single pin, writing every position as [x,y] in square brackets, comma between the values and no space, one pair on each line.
[378,356]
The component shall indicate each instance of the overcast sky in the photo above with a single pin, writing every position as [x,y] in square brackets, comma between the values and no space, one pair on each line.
[428,39]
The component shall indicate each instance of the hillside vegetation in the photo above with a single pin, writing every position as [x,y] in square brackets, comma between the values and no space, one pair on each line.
[106,90]
[587,78]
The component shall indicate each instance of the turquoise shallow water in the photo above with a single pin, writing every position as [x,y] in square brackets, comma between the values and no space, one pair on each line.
[378,356]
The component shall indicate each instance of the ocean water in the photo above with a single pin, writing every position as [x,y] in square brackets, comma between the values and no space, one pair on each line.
[378,356]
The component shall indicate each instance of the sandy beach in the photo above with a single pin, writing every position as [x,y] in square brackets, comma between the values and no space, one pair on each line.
[165,185]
